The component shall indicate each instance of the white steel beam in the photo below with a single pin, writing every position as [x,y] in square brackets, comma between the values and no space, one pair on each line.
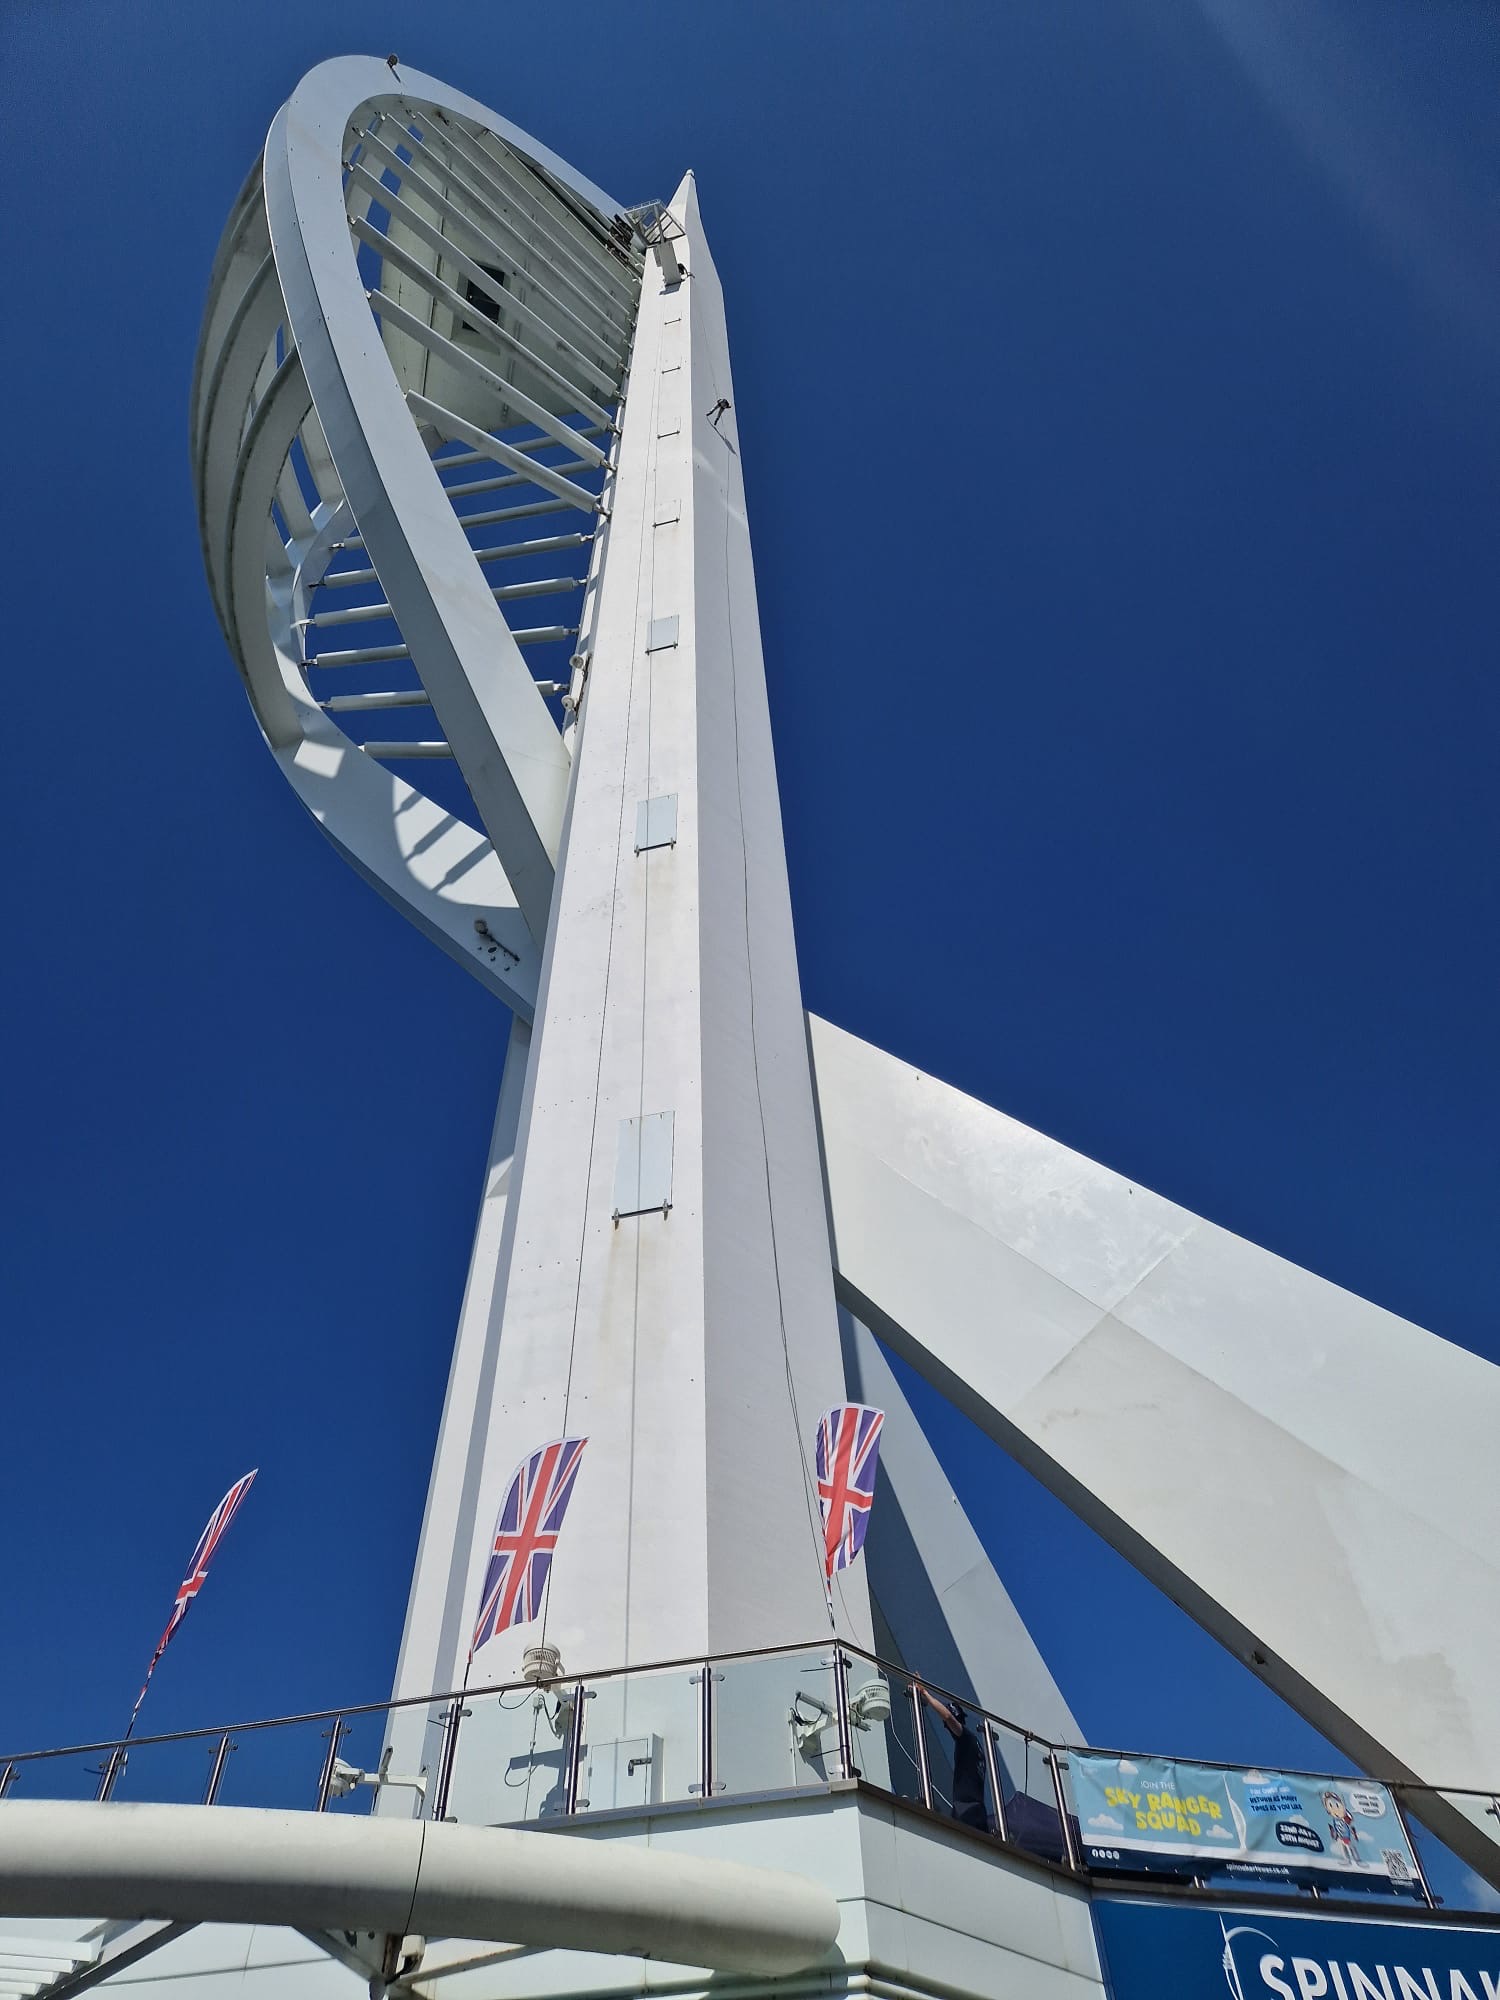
[425,232]
[532,473]
[934,1581]
[1310,1476]
[126,1948]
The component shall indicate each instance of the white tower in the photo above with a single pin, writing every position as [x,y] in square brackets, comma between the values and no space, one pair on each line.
[653,1263]
[472,506]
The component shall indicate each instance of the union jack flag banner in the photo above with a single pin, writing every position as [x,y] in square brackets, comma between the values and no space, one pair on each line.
[526,1532]
[847,1454]
[197,1570]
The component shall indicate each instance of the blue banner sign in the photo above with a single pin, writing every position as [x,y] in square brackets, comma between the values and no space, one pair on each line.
[1192,1953]
[1160,1816]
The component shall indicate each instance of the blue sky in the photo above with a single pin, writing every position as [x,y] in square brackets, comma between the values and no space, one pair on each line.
[1119,390]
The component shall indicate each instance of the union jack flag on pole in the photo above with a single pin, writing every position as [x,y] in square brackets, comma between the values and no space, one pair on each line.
[197,1571]
[526,1532]
[847,1454]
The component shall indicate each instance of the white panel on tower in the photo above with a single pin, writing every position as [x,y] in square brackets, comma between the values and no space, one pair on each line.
[669,403]
[662,634]
[656,822]
[643,1165]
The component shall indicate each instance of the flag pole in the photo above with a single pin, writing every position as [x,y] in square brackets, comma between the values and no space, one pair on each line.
[187,1590]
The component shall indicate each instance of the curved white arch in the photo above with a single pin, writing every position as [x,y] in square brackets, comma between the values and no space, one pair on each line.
[290,352]
[516,766]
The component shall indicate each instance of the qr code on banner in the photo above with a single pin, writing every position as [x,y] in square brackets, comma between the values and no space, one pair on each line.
[1396,1865]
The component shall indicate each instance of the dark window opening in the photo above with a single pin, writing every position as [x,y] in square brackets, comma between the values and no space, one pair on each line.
[481,301]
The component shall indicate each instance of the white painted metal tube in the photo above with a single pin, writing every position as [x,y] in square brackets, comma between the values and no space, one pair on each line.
[487,520]
[394,752]
[522,513]
[359,656]
[604,338]
[360,614]
[402,212]
[497,336]
[370,656]
[593,274]
[470,487]
[538,249]
[469,364]
[321,1871]
[460,461]
[339,704]
[453,426]
[544,545]
[353,614]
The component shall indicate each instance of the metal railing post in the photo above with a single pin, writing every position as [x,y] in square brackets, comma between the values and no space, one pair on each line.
[216,1771]
[325,1782]
[1070,1845]
[113,1768]
[456,1713]
[924,1774]
[575,1751]
[7,1779]
[705,1680]
[992,1766]
[841,1713]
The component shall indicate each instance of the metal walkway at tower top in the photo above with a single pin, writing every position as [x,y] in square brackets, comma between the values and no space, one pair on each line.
[462,471]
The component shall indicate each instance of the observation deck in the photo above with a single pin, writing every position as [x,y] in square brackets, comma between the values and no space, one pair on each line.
[810,1758]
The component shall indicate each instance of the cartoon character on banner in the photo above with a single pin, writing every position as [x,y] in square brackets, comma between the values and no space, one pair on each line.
[1341,1829]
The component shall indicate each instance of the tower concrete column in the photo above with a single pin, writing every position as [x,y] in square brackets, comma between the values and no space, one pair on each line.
[665,1286]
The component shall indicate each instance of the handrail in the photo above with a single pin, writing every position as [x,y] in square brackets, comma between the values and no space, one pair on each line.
[445,1698]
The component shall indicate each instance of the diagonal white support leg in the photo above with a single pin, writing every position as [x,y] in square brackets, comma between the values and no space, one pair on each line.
[1307,1474]
[940,1595]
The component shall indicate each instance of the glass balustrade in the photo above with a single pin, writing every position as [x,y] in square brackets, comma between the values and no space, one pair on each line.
[641,1740]
[776,1722]
[797,1719]
[510,1758]
[1028,1793]
[171,1773]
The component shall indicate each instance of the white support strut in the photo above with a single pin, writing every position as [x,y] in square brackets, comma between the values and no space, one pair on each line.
[1299,1469]
[319,1871]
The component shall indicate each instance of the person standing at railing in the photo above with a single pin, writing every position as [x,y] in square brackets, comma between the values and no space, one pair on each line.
[968,1761]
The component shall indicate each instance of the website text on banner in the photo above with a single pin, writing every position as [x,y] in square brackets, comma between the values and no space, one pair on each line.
[1161,1816]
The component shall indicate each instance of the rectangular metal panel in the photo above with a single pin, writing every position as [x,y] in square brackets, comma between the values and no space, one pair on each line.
[669,403]
[624,1773]
[661,634]
[656,822]
[643,1165]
